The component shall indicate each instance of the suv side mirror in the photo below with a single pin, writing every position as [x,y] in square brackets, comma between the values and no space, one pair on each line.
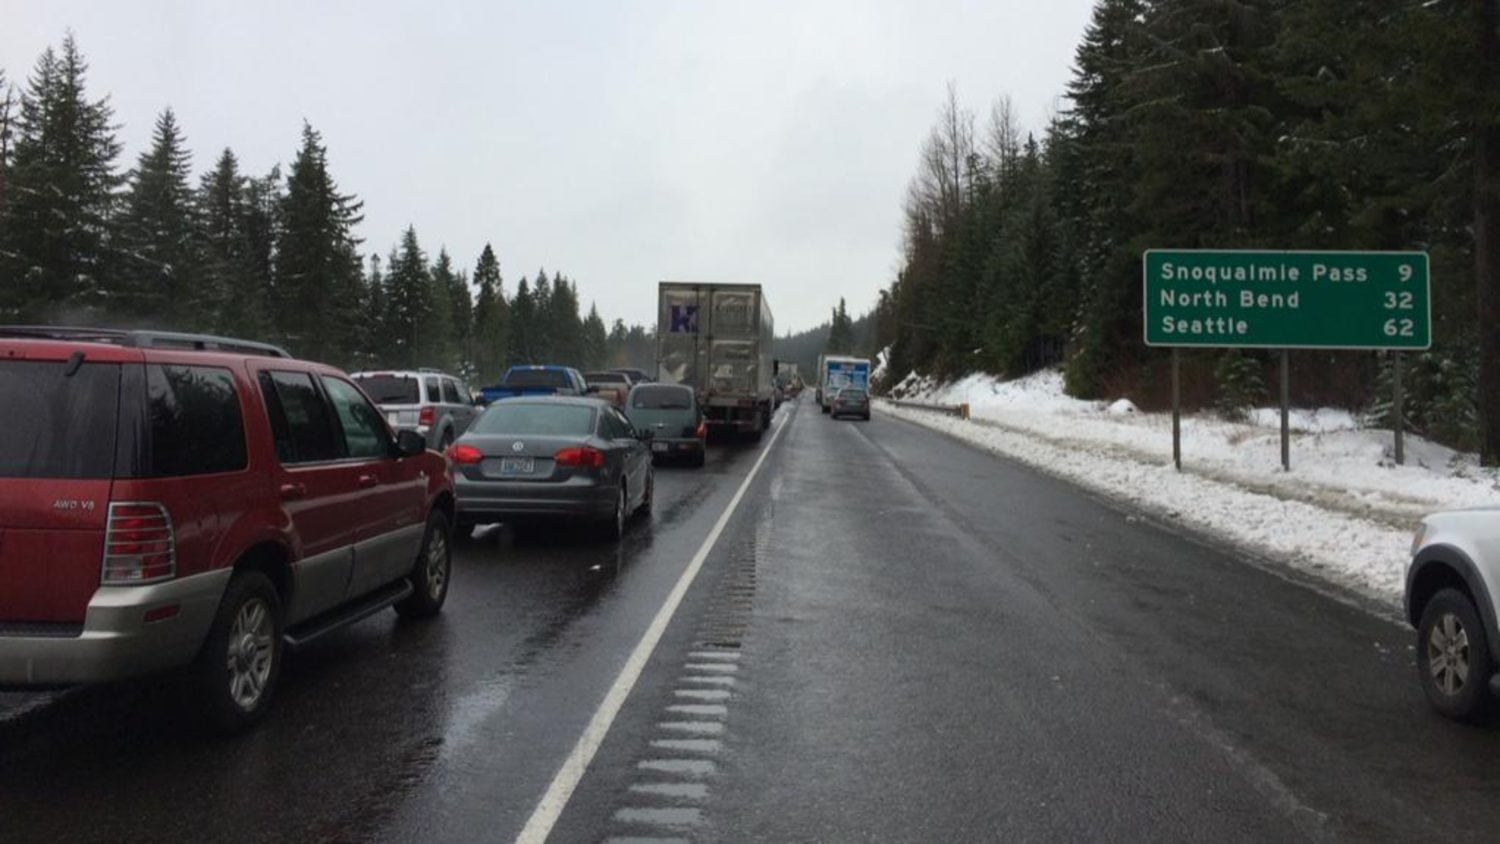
[410,443]
[645,435]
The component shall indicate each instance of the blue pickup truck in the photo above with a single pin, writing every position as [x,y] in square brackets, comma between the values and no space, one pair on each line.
[537,381]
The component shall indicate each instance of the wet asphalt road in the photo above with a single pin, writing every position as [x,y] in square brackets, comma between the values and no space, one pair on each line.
[896,638]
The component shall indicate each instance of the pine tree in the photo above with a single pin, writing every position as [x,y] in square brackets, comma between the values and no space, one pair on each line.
[408,303]
[236,295]
[595,340]
[540,333]
[563,323]
[375,345]
[55,246]
[7,124]
[436,340]
[841,331]
[523,325]
[491,318]
[318,269]
[160,271]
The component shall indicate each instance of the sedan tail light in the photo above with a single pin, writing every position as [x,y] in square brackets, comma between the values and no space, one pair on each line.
[580,458]
[465,455]
[139,545]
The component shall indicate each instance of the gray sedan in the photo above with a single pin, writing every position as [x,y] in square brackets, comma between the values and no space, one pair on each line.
[552,457]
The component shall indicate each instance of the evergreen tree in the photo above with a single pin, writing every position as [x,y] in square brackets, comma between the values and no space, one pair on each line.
[7,124]
[375,344]
[595,340]
[491,318]
[235,289]
[319,289]
[408,304]
[540,333]
[160,276]
[55,245]
[841,331]
[523,325]
[437,339]
[563,323]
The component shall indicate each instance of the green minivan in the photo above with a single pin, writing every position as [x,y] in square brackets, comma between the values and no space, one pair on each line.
[670,412]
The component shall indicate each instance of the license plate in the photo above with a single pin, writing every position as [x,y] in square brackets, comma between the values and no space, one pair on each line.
[517,465]
[661,447]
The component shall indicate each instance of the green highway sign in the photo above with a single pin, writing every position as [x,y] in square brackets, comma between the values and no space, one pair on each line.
[1287,300]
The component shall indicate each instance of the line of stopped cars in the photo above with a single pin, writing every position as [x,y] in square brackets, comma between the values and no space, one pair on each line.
[202,505]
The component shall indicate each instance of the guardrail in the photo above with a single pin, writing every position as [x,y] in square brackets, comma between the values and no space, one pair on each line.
[959,410]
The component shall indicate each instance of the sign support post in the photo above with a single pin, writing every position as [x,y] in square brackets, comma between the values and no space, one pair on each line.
[1286,403]
[1400,412]
[1176,412]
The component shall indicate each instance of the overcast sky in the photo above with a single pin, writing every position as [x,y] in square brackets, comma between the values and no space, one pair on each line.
[621,143]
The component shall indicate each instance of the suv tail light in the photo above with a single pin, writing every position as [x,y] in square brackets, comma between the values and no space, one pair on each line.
[580,458]
[465,455]
[427,415]
[702,432]
[139,545]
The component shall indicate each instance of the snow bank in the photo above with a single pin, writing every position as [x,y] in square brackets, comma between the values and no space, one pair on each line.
[1345,510]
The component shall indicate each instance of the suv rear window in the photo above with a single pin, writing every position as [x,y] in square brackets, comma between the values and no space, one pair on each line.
[661,398]
[57,425]
[391,389]
[537,378]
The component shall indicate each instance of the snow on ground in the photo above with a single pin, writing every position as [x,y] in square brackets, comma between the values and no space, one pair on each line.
[1344,512]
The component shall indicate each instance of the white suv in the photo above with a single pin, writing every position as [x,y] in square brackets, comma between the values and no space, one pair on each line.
[434,404]
[1450,599]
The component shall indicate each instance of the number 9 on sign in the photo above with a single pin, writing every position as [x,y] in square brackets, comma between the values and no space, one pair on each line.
[1405,270]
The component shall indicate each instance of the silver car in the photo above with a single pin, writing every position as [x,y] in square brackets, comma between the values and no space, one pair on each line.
[557,457]
[434,404]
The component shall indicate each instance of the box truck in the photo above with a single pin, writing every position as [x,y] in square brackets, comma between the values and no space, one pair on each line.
[716,338]
[835,372]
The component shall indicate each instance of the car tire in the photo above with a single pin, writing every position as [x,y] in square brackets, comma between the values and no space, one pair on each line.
[431,572]
[1453,657]
[445,441]
[612,529]
[649,499]
[825,409]
[699,459]
[237,669]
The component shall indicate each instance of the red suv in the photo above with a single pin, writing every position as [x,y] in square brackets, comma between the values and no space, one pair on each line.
[172,500]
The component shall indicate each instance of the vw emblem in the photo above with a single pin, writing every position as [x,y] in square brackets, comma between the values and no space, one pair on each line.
[518,447]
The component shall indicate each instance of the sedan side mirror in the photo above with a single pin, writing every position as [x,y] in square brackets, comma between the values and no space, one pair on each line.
[410,443]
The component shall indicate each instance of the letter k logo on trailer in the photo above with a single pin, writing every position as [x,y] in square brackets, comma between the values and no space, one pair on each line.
[684,319]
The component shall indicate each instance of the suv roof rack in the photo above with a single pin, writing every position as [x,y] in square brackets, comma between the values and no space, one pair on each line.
[139,338]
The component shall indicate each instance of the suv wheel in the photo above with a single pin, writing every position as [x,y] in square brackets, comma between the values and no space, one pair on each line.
[430,573]
[1453,658]
[241,658]
[445,441]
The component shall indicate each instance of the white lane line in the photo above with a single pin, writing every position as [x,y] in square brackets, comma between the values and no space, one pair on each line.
[707,728]
[671,817]
[702,694]
[712,667]
[711,681]
[699,709]
[682,790]
[699,767]
[555,799]
[729,655]
[690,745]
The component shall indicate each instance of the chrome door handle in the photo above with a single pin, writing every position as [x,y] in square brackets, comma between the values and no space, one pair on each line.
[292,492]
